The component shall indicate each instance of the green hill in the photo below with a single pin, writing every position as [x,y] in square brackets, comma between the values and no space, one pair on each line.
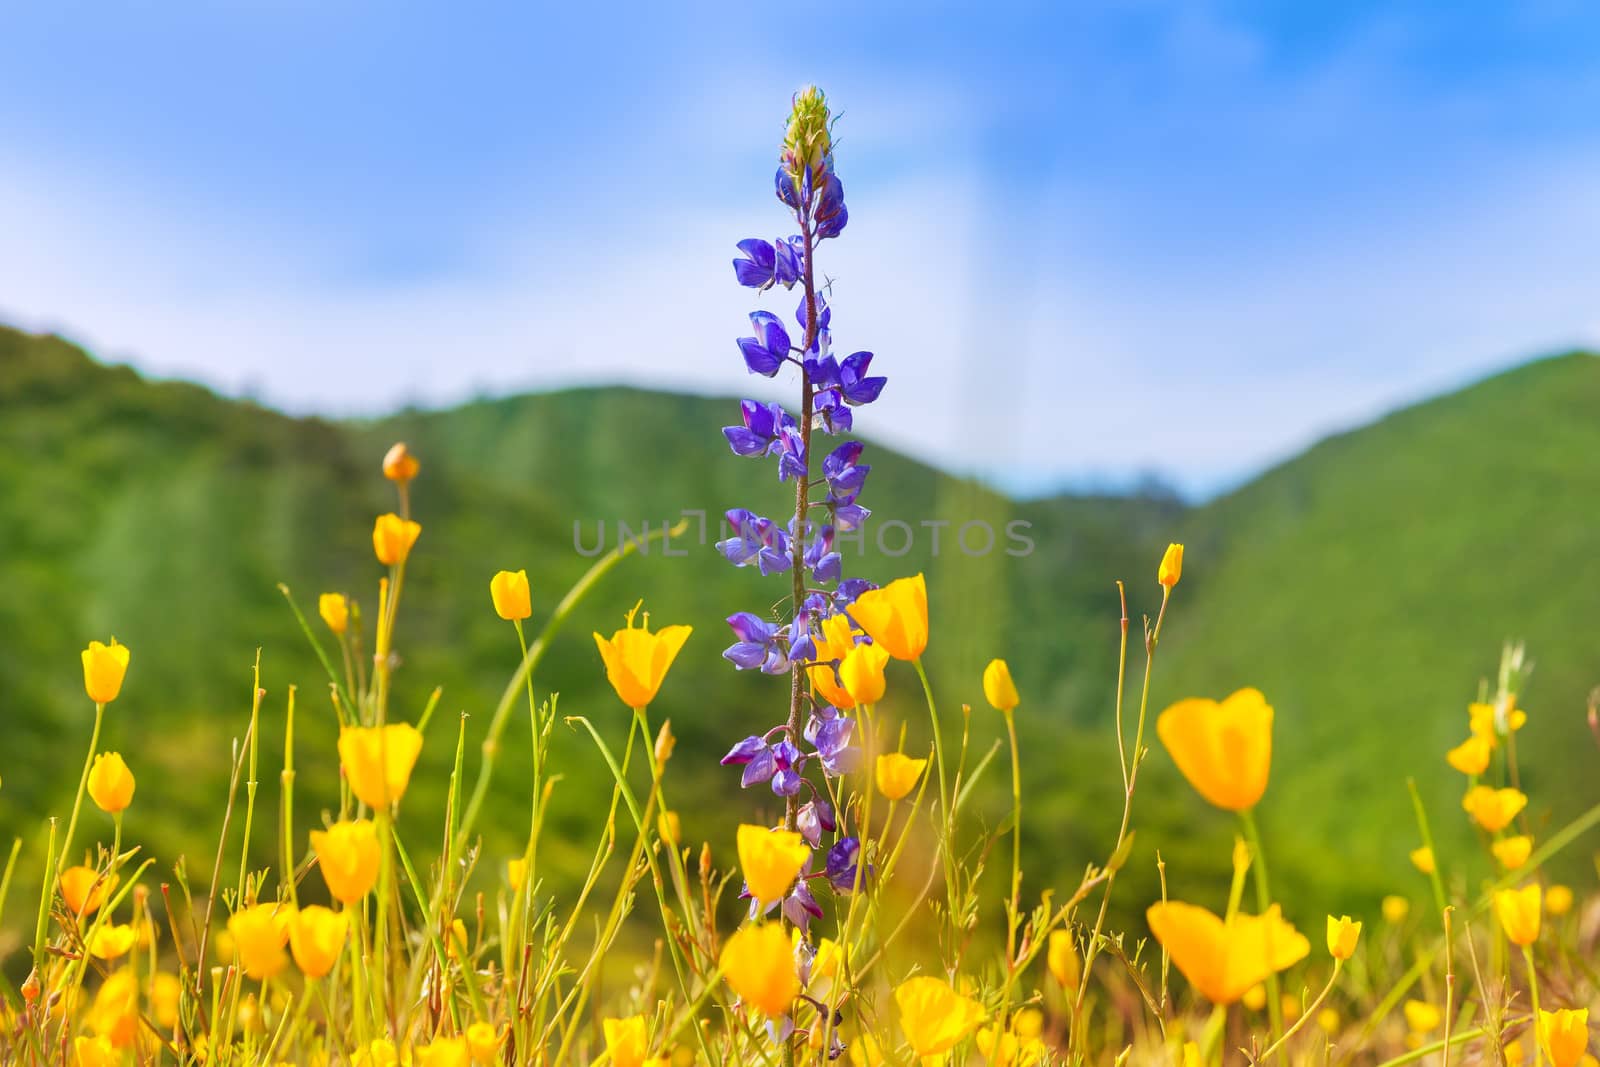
[1365,586]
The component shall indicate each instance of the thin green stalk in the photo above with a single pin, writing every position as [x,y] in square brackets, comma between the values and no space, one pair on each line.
[1439,899]
[1016,873]
[250,783]
[286,876]
[83,785]
[1263,902]
[1309,1013]
[946,846]
[1533,998]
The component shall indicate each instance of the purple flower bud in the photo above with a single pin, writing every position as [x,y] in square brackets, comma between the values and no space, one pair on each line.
[744,752]
[787,782]
[809,823]
[761,768]
[841,868]
[800,907]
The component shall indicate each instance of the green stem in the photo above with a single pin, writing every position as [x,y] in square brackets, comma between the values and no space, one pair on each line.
[1258,867]
[1016,874]
[83,785]
[1427,843]
[1533,997]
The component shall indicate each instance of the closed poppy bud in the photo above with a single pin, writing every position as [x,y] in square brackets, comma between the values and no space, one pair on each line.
[483,1041]
[1422,860]
[933,1016]
[347,853]
[897,774]
[862,674]
[1470,756]
[111,784]
[1558,900]
[260,932]
[1224,749]
[1564,1035]
[895,616]
[111,942]
[1513,852]
[509,591]
[103,668]
[399,465]
[392,538]
[316,937]
[444,1052]
[627,1040]
[665,743]
[1171,568]
[1519,911]
[670,828]
[998,688]
[84,890]
[1062,959]
[770,860]
[1493,809]
[1421,1016]
[758,964]
[637,660]
[335,611]
[377,761]
[1343,933]
[1395,909]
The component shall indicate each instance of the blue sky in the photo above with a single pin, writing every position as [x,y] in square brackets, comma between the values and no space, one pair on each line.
[1085,242]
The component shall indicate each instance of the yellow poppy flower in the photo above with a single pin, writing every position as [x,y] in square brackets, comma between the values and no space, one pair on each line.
[1224,749]
[1422,859]
[1558,900]
[1485,722]
[1171,568]
[1343,933]
[834,640]
[1421,1016]
[483,1040]
[897,774]
[111,784]
[377,761]
[335,611]
[1518,911]
[627,1040]
[510,594]
[1395,909]
[347,853]
[392,538]
[1470,756]
[998,688]
[260,933]
[95,1052]
[895,616]
[111,942]
[862,673]
[103,669]
[1061,959]
[1493,809]
[1564,1035]
[758,963]
[1224,959]
[933,1016]
[1513,852]
[84,890]
[770,860]
[444,1052]
[316,937]
[637,660]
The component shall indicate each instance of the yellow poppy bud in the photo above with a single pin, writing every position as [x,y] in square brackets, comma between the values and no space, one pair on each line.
[1343,933]
[392,538]
[377,761]
[998,688]
[103,669]
[1422,860]
[316,937]
[347,853]
[1470,756]
[509,591]
[897,774]
[260,933]
[670,828]
[1061,959]
[637,660]
[1421,1016]
[1493,809]
[1518,911]
[444,1052]
[84,890]
[1558,900]
[1328,1020]
[166,992]
[1223,749]
[111,784]
[335,611]
[1223,959]
[1564,1035]
[895,616]
[758,963]
[933,1016]
[483,1041]
[1255,998]
[627,1040]
[861,672]
[771,860]
[111,942]
[1395,909]
[399,465]
[1171,566]
[516,873]
[1513,852]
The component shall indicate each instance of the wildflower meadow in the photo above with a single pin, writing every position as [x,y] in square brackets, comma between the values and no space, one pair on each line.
[867,910]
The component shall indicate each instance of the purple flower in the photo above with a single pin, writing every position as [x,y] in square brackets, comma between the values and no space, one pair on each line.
[759,434]
[841,868]
[791,455]
[844,475]
[834,750]
[824,317]
[824,563]
[829,413]
[758,644]
[756,540]
[800,907]
[754,268]
[814,817]
[761,768]
[830,213]
[766,352]
[853,381]
[783,182]
[789,257]
[847,517]
[744,751]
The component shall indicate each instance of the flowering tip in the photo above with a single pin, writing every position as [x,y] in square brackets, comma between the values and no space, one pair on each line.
[1171,568]
[808,139]
[399,464]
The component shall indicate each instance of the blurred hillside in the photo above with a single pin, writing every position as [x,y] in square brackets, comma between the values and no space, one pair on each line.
[1365,587]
